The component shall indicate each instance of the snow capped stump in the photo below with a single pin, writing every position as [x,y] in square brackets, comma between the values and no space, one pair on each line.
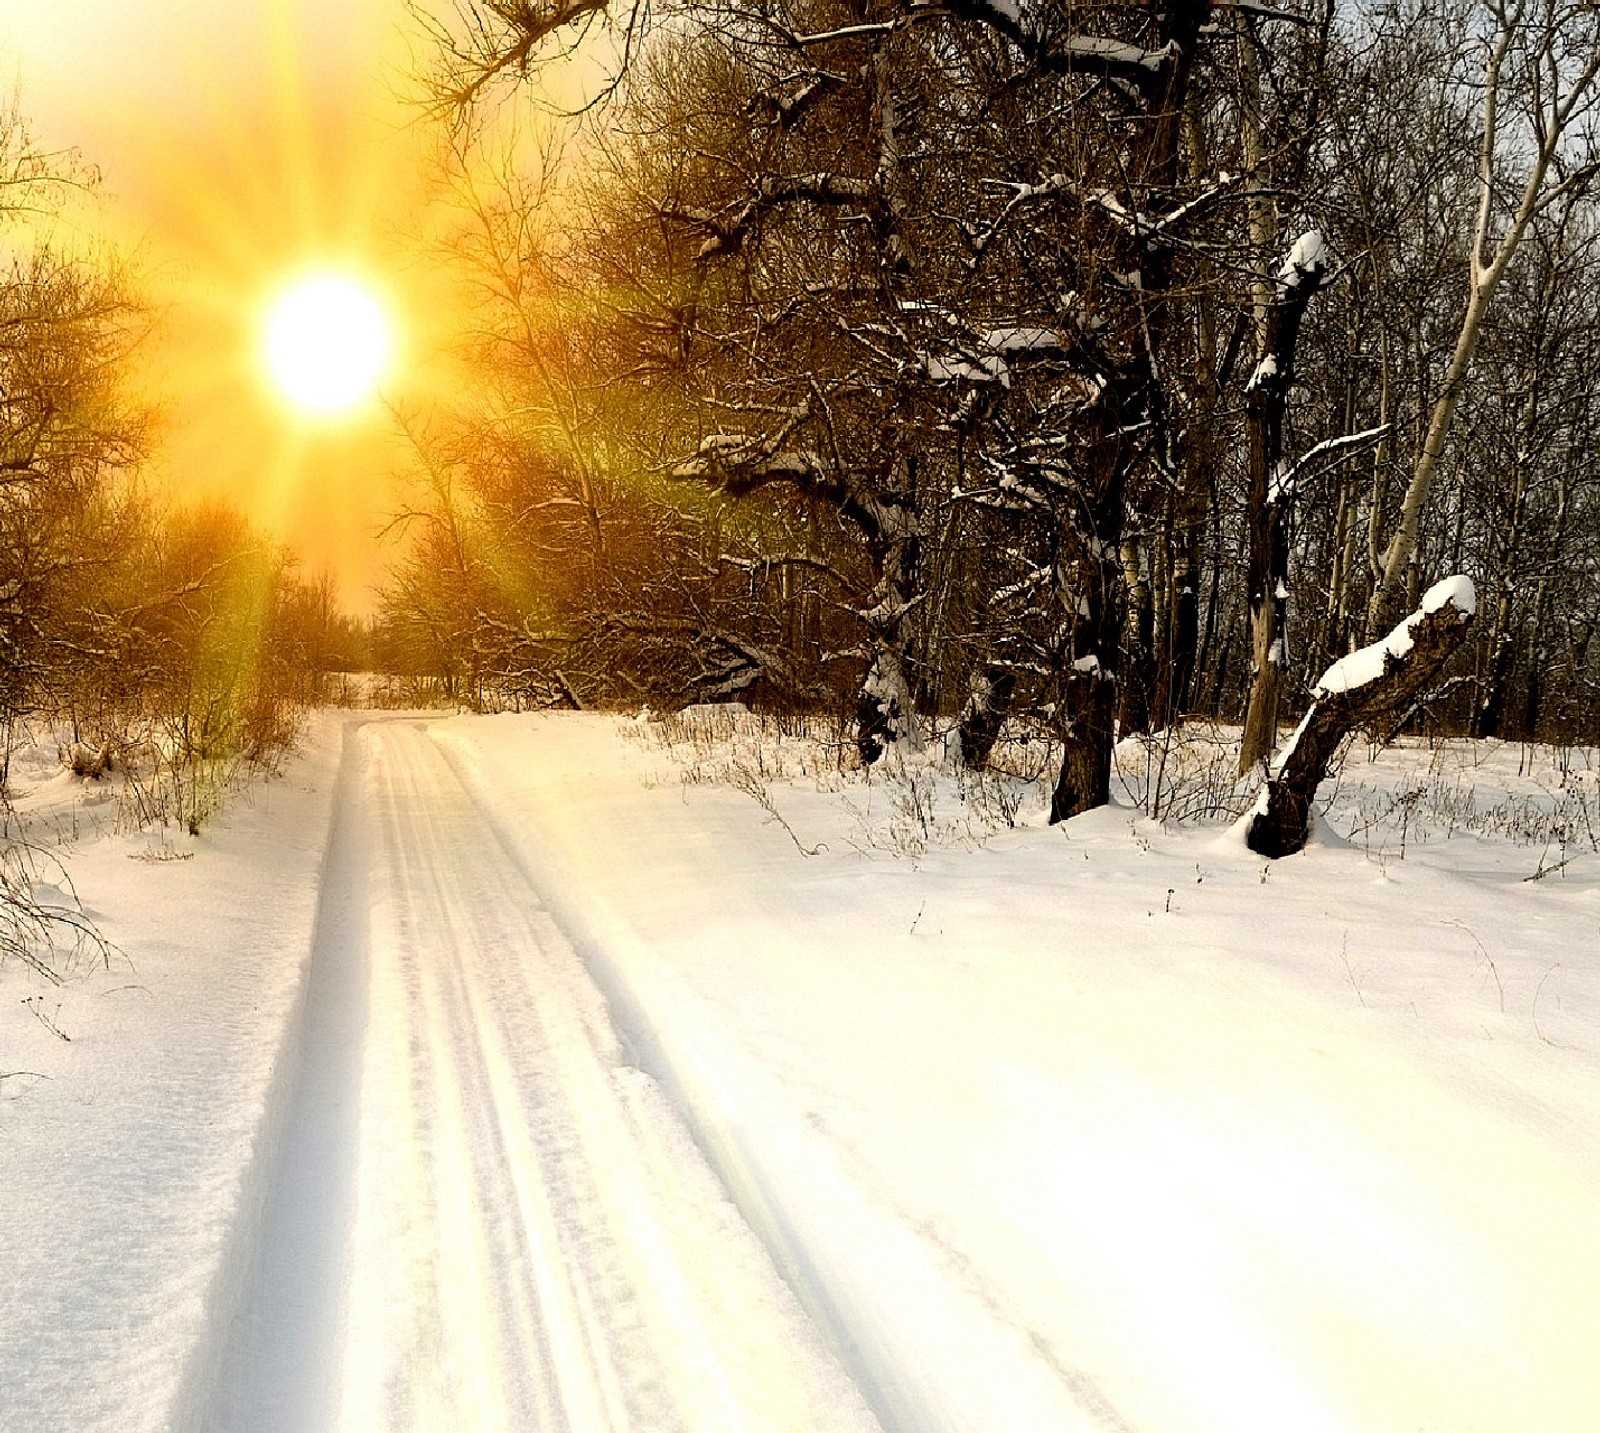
[1367,689]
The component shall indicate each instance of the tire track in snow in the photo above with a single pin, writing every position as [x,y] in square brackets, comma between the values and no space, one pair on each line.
[511,1318]
[529,1240]
[899,1364]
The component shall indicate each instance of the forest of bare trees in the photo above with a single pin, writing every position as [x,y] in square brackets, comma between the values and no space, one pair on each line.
[1082,367]
[1089,365]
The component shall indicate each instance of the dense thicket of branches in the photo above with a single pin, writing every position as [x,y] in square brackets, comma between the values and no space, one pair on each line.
[1087,363]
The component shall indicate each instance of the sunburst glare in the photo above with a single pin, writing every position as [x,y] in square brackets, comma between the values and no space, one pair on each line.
[327,342]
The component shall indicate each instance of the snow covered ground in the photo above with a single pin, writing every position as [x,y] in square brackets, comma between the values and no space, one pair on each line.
[531,1072]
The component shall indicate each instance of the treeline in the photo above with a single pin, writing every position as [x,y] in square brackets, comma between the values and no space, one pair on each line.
[1088,364]
[172,642]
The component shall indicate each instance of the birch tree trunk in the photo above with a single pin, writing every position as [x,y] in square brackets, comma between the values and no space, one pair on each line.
[1559,95]
[1133,695]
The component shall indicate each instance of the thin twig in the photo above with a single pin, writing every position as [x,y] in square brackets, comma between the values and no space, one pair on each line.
[1537,992]
[1488,959]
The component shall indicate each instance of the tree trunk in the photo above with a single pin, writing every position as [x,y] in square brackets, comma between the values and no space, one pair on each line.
[1180,630]
[885,712]
[1267,403]
[984,714]
[1084,781]
[1185,640]
[1538,652]
[1370,689]
[1089,576]
[1497,678]
[1088,731]
[1133,691]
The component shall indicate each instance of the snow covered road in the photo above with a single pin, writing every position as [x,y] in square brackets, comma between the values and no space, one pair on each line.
[481,1218]
[508,1073]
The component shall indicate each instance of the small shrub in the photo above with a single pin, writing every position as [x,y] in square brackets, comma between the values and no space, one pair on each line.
[1186,773]
[42,923]
[88,761]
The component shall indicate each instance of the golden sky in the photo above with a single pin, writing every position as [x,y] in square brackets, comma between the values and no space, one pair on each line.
[240,141]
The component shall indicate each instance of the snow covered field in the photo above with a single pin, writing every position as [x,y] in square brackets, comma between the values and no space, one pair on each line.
[531,1072]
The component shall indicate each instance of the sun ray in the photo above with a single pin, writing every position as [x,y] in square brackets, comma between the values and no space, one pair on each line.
[271,140]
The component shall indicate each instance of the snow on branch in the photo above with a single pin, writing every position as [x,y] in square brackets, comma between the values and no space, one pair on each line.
[889,610]
[1368,689]
[1038,576]
[1298,278]
[1118,61]
[1326,453]
[786,110]
[990,358]
[727,234]
[1151,229]
[1265,12]
[1263,373]
[1306,261]
[1363,668]
[1021,195]
[740,463]
[1115,54]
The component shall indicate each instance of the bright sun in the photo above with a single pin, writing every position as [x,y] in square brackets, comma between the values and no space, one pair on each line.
[327,342]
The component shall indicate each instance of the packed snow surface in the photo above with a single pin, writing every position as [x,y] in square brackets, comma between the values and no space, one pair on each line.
[532,1072]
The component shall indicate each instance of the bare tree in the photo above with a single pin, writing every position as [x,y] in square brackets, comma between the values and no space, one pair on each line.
[1537,142]
[1272,483]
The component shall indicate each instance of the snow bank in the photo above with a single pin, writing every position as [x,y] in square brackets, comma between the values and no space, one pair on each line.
[128,1156]
[1048,1136]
